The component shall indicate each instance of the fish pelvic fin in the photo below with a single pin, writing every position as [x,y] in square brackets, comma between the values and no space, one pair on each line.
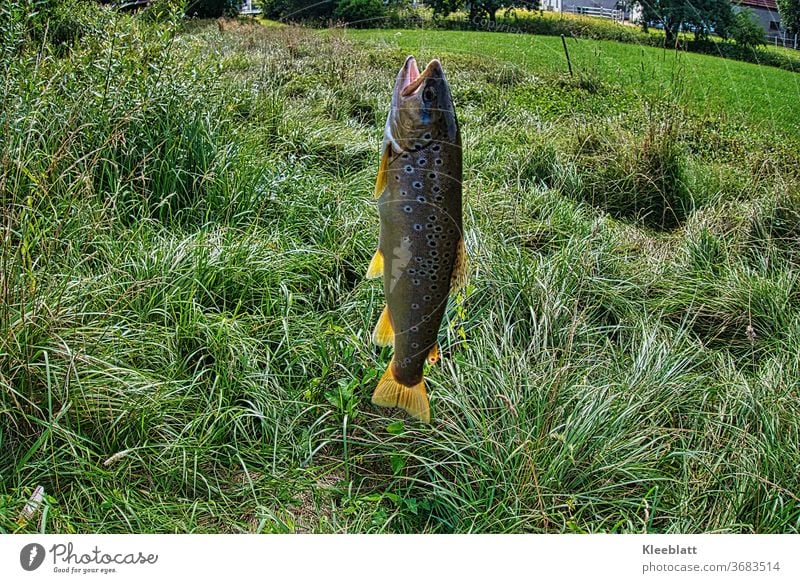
[383,335]
[380,182]
[392,393]
[375,268]
[459,278]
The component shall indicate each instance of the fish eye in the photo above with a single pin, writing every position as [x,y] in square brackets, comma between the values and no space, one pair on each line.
[429,94]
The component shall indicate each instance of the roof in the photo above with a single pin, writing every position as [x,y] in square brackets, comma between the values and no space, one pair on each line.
[768,4]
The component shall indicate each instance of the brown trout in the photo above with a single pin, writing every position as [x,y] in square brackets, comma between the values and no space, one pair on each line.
[421,250]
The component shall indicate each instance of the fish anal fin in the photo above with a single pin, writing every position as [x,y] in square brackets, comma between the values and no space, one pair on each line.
[383,335]
[433,355]
[412,399]
[380,182]
[375,268]
[459,278]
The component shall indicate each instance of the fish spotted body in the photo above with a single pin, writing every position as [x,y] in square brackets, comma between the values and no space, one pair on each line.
[421,249]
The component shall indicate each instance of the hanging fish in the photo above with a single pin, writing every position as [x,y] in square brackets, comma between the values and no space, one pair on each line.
[421,250]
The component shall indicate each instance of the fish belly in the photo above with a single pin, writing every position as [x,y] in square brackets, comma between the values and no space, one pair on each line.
[420,213]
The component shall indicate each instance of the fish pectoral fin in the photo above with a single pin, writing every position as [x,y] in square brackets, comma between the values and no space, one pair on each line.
[380,182]
[459,278]
[433,355]
[383,335]
[375,268]
[392,393]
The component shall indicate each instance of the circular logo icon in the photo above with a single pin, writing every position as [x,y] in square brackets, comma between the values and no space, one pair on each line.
[31,556]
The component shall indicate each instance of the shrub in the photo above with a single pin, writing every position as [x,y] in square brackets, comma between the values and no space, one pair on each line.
[298,10]
[59,22]
[212,8]
[360,13]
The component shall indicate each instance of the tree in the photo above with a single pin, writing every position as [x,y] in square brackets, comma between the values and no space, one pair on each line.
[710,16]
[702,16]
[669,14]
[479,8]
[790,15]
[746,31]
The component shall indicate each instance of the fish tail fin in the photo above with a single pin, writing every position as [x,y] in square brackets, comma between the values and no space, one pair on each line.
[412,399]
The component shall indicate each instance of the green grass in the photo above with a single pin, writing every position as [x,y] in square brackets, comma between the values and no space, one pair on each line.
[731,89]
[184,323]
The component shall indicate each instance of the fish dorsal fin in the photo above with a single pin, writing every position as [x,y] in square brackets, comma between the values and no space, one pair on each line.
[459,277]
[381,181]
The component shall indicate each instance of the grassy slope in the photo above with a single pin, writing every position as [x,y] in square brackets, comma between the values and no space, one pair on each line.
[184,327]
[735,89]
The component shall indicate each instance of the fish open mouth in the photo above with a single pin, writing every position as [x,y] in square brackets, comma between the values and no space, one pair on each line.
[413,79]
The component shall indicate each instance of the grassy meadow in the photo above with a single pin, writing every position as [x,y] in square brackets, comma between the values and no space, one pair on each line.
[187,216]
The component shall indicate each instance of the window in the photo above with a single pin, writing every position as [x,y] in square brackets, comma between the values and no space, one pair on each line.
[774,25]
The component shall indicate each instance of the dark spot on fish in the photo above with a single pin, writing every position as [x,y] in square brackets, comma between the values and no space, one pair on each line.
[438,198]
[432,175]
[426,136]
[415,282]
[415,345]
[406,156]
[438,161]
[403,193]
[436,147]
[426,317]
[434,277]
[421,161]
[434,253]
[432,243]
[407,209]
[417,227]
[418,259]
[432,218]
[417,185]
[429,226]
[415,328]
[397,177]
[415,306]
[420,199]
[438,228]
[434,287]
[409,169]
[412,271]
[427,299]
[451,231]
[436,188]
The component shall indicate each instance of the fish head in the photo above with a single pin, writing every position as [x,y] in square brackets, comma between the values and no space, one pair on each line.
[422,108]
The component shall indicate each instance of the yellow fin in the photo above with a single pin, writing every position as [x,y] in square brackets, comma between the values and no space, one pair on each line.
[459,277]
[413,400]
[375,268]
[433,355]
[383,335]
[380,183]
